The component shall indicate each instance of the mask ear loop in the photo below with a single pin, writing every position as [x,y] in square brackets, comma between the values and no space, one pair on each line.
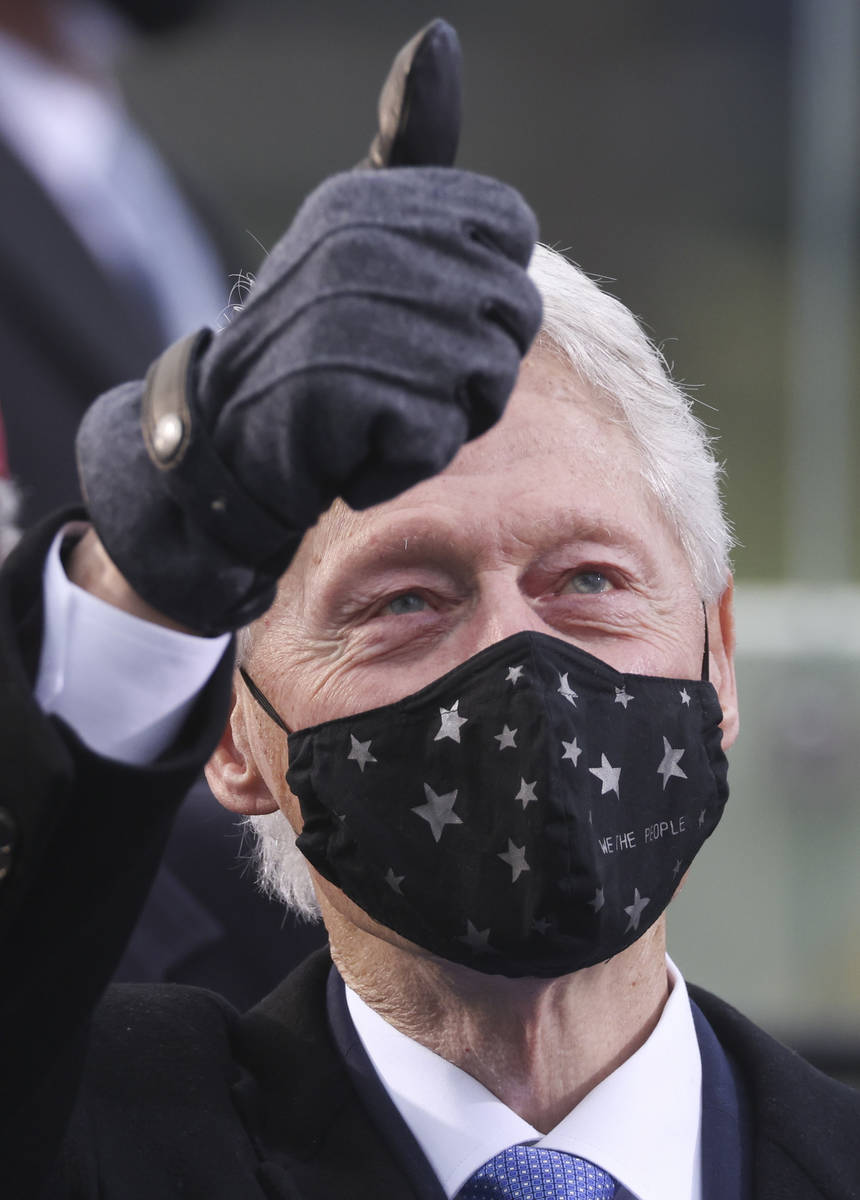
[706,665]
[266,706]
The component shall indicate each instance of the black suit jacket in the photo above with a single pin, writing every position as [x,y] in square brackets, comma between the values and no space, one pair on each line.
[179,1095]
[262,1105]
[68,331]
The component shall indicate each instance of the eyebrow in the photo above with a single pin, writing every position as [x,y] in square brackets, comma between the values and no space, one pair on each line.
[417,542]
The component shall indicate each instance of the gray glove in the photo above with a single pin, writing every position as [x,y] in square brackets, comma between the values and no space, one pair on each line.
[384,330]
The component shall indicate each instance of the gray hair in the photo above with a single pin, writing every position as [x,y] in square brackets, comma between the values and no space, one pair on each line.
[601,341]
[282,869]
[605,346]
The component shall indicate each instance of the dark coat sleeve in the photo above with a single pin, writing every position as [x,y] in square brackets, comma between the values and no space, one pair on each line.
[83,838]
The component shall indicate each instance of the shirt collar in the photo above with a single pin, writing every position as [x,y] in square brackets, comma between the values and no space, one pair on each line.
[641,1123]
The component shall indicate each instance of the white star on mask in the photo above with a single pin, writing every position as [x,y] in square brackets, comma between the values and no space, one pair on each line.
[566,690]
[598,902]
[669,764]
[506,739]
[634,911]
[360,753]
[513,675]
[437,812]
[608,775]
[394,881]
[451,722]
[476,939]
[571,751]
[527,793]
[623,697]
[515,857]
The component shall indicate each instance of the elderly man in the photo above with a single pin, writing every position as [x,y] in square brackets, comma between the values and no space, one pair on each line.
[486,678]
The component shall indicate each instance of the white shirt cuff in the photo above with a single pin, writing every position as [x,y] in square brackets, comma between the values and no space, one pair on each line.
[121,683]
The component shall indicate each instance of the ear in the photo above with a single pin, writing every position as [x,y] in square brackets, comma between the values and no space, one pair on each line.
[232,771]
[721,639]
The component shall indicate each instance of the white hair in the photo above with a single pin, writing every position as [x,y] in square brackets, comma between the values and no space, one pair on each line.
[282,869]
[601,341]
[606,347]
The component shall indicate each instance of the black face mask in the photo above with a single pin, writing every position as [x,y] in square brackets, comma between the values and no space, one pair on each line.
[529,813]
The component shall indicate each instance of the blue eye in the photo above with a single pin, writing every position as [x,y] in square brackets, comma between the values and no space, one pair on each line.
[588,583]
[409,602]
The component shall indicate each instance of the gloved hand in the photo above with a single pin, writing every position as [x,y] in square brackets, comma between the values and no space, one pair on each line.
[384,330]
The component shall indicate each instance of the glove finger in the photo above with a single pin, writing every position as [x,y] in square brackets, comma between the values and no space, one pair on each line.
[486,390]
[410,439]
[450,284]
[428,203]
[514,304]
[403,448]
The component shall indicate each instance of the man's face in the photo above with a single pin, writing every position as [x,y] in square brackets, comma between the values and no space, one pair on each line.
[544,523]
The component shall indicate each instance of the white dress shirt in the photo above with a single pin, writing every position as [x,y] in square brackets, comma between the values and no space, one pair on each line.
[75,136]
[642,1123]
[123,684]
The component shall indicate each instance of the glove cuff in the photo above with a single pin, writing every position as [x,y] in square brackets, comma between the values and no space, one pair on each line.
[194,475]
[186,536]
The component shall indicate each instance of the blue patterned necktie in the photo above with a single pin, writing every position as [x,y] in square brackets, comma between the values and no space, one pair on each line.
[534,1173]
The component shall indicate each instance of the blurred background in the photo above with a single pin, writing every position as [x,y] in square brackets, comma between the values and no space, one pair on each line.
[702,157]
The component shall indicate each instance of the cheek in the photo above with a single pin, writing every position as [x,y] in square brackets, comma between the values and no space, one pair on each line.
[679,649]
[668,644]
[325,686]
[328,695]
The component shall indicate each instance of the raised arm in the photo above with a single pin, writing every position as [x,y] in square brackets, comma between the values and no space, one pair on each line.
[384,330]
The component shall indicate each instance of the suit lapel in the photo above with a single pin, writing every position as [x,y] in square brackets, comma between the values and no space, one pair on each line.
[726,1172]
[89,320]
[313,1135]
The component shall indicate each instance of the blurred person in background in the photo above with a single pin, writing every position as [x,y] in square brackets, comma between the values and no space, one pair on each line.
[107,256]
